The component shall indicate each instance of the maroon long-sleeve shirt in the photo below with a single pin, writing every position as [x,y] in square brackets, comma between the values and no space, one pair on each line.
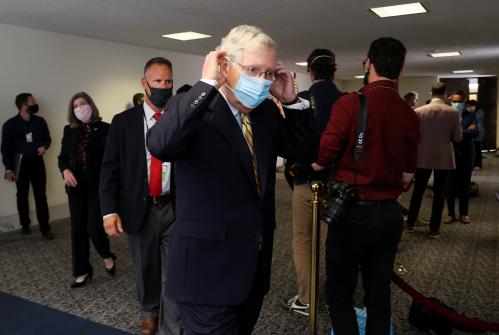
[391,142]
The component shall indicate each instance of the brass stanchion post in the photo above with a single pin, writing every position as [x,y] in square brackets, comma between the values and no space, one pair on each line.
[316,250]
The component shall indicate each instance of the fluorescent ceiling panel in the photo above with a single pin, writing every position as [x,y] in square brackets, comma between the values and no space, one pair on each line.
[444,54]
[463,71]
[186,36]
[398,10]
[301,63]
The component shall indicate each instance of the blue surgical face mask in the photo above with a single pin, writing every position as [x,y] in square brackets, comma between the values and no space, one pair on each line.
[458,105]
[251,91]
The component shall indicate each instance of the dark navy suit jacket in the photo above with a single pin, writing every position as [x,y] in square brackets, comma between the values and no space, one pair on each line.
[123,184]
[465,149]
[322,96]
[221,221]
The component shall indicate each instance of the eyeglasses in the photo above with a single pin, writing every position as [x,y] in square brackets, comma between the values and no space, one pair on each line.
[256,72]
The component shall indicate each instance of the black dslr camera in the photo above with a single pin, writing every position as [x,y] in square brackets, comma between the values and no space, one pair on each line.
[339,195]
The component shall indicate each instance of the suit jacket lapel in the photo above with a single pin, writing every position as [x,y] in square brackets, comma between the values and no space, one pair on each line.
[137,141]
[226,123]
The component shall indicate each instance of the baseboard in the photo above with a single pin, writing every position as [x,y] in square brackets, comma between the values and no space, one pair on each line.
[11,222]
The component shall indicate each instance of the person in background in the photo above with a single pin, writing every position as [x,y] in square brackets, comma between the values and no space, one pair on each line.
[136,195]
[473,107]
[80,161]
[25,140]
[138,99]
[412,98]
[440,126]
[322,95]
[367,235]
[460,178]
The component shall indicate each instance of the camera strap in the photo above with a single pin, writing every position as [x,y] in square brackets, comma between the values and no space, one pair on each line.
[361,135]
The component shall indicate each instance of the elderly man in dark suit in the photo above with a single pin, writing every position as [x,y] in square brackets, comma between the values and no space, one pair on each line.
[440,126]
[224,136]
[136,197]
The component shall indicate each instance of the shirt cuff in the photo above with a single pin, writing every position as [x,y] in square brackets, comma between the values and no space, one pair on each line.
[300,105]
[108,215]
[211,82]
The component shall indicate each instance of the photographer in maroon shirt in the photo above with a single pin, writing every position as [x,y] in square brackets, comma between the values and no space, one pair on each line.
[370,227]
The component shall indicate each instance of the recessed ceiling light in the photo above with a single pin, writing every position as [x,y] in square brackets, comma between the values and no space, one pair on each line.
[463,71]
[302,63]
[186,36]
[444,54]
[359,77]
[398,10]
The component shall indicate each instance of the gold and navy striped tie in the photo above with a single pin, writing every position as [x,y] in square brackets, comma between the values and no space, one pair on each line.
[248,135]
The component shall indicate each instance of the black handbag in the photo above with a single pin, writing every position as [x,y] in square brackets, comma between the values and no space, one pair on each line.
[425,319]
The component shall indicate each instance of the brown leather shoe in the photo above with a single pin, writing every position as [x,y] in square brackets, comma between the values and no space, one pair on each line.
[450,219]
[148,326]
[465,219]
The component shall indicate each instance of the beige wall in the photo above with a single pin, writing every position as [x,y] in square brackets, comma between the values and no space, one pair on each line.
[53,67]
[421,85]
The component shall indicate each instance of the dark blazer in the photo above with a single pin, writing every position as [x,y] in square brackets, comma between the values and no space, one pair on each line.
[465,150]
[221,221]
[95,151]
[322,96]
[123,183]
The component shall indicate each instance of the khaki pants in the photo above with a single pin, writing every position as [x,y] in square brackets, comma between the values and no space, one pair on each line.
[302,238]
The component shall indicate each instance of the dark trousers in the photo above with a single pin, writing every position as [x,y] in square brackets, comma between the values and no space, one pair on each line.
[421,181]
[86,223]
[366,238]
[226,320]
[32,171]
[477,161]
[459,185]
[149,248]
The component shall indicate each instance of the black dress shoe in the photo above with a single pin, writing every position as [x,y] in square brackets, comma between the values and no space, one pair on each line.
[87,279]
[26,230]
[48,235]
[112,271]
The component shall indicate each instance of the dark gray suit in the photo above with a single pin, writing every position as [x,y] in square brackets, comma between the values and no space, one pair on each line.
[124,190]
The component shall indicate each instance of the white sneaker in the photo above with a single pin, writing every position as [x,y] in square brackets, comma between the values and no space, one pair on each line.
[296,305]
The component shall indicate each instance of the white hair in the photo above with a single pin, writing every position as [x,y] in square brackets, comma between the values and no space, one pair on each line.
[244,37]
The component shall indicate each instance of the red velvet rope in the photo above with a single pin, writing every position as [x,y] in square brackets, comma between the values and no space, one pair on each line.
[444,311]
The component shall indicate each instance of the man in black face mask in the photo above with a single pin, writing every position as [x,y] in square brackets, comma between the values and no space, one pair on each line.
[136,197]
[25,138]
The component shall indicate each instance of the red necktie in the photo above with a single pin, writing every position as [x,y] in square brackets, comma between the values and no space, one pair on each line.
[155,183]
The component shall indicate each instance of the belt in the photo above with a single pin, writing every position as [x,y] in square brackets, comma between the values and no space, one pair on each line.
[377,203]
[161,199]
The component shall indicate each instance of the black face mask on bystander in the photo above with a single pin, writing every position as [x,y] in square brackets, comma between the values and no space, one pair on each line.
[33,109]
[159,96]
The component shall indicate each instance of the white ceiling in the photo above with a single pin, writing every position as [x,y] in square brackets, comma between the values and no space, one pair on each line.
[344,26]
